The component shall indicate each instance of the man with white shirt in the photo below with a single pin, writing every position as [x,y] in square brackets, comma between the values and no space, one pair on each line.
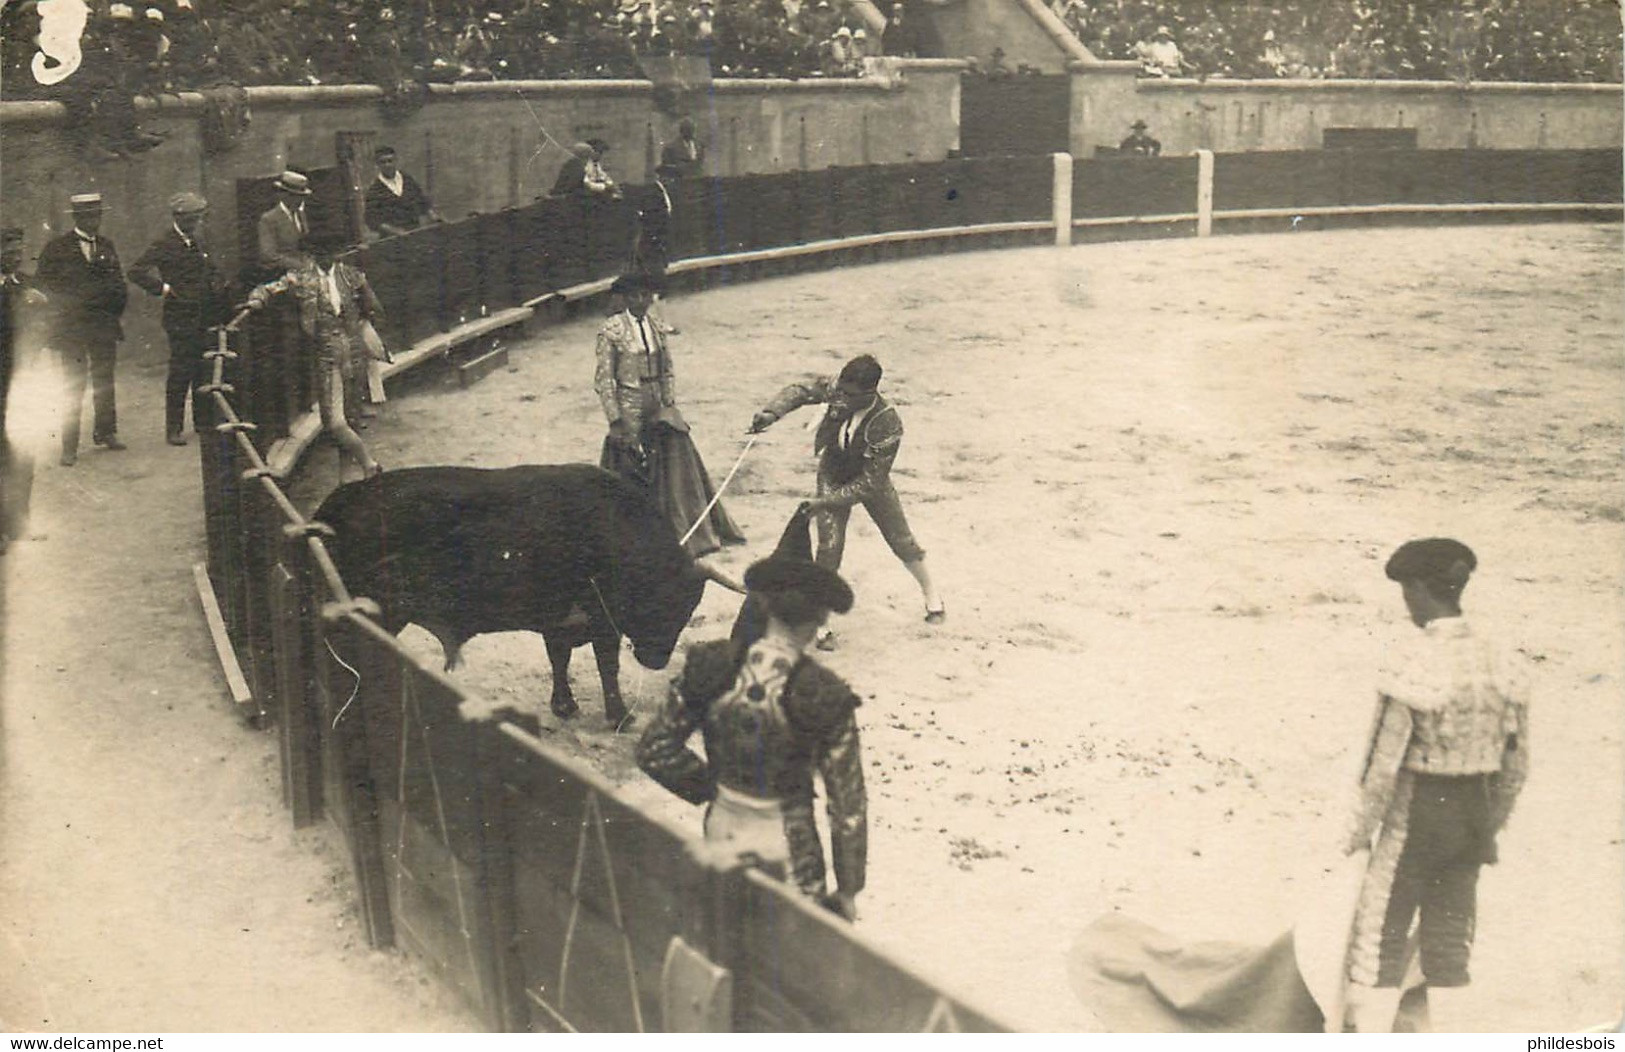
[395,202]
[80,273]
[856,443]
[178,270]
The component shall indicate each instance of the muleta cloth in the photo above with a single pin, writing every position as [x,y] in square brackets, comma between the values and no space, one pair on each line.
[791,568]
[187,203]
[294,182]
[85,202]
[1432,559]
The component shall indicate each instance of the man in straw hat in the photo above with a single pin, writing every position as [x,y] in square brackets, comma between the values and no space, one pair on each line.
[770,716]
[80,273]
[856,443]
[282,229]
[178,270]
[1448,755]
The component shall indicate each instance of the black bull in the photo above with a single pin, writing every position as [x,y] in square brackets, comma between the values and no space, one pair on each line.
[569,551]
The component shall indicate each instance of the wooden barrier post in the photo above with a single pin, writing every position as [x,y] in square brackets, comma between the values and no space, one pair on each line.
[1204,193]
[1062,198]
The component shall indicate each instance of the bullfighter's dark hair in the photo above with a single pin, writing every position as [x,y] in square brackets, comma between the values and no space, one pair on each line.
[863,371]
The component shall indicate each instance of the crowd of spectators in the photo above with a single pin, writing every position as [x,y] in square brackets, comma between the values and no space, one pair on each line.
[170,45]
[173,45]
[1502,40]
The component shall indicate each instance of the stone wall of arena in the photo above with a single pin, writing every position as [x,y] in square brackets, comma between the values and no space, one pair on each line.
[475,147]
[1234,116]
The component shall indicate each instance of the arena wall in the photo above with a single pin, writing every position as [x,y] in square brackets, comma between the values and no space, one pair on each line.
[1233,116]
[475,147]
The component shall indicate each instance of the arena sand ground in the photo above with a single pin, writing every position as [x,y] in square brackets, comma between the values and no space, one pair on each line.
[1157,481]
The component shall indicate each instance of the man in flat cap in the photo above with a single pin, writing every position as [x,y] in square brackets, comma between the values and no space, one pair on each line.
[856,444]
[178,270]
[1448,755]
[281,373]
[770,717]
[395,202]
[80,273]
[1138,143]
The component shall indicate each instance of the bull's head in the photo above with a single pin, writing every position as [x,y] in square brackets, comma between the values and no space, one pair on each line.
[655,618]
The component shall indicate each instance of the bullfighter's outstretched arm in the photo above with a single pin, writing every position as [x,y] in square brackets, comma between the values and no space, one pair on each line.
[805,392]
[664,755]
[840,761]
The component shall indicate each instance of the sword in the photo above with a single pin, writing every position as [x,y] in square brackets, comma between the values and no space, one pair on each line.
[751,441]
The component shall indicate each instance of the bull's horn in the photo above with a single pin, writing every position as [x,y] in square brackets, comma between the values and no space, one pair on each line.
[718,575]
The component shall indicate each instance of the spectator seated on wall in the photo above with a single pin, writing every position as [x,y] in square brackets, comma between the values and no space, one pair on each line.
[395,203]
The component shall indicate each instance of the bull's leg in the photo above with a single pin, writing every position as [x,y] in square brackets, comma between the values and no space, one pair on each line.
[607,649]
[563,702]
[451,642]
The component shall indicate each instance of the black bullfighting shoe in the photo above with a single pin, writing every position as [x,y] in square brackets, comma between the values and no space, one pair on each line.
[937,616]
[112,444]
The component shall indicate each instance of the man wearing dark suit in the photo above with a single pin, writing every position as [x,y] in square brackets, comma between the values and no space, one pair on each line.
[16,466]
[179,271]
[572,177]
[80,273]
[282,230]
[1139,144]
[686,156]
[395,201]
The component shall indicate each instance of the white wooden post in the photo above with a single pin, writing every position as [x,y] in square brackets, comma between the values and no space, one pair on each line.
[1062,198]
[1204,193]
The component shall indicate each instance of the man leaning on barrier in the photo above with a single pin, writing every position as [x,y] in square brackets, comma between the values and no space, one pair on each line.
[770,715]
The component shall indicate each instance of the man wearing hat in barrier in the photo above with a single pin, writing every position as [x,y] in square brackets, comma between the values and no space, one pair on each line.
[177,269]
[80,273]
[282,229]
[1447,757]
[395,203]
[1138,143]
[17,299]
[685,157]
[770,716]
[856,443]
[332,299]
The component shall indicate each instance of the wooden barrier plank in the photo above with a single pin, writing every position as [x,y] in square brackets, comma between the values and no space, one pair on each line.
[235,683]
[476,369]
